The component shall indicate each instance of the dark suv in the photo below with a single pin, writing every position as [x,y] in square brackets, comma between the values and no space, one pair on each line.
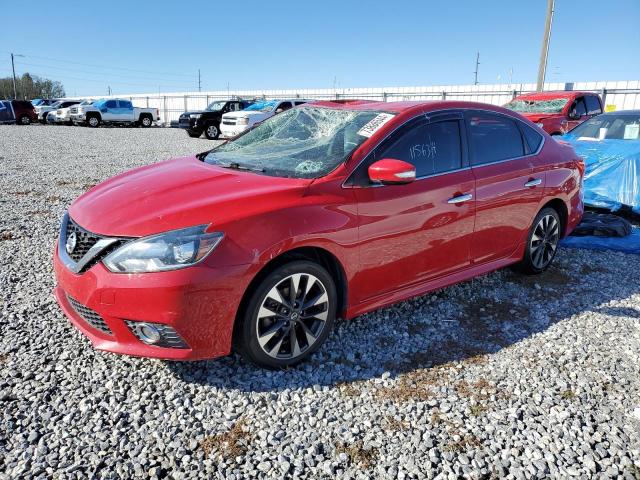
[17,111]
[208,121]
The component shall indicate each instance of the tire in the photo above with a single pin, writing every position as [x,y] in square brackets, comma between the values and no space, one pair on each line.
[93,121]
[267,340]
[193,134]
[43,119]
[146,121]
[542,242]
[24,120]
[212,131]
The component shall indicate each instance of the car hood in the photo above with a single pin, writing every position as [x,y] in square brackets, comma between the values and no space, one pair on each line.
[197,112]
[538,117]
[177,194]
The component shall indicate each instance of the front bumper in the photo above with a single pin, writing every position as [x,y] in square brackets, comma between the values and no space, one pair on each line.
[199,303]
[229,131]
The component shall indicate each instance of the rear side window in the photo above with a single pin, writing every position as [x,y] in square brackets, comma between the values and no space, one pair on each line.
[125,104]
[593,105]
[532,137]
[493,138]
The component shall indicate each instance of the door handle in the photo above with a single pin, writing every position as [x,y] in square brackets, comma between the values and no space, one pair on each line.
[533,183]
[460,198]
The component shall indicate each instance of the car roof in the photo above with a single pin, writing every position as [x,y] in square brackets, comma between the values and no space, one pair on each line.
[622,112]
[406,106]
[552,95]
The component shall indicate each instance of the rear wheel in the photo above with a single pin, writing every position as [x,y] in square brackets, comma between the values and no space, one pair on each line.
[542,242]
[24,120]
[212,132]
[146,121]
[289,315]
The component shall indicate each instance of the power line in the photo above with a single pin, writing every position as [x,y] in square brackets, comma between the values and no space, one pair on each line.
[105,74]
[109,67]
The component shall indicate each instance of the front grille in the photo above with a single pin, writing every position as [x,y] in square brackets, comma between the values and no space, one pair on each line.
[84,240]
[74,110]
[229,122]
[170,338]
[89,316]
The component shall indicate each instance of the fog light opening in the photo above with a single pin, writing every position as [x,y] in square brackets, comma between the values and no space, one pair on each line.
[148,333]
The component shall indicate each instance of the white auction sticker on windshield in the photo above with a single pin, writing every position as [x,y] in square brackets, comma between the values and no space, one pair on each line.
[374,125]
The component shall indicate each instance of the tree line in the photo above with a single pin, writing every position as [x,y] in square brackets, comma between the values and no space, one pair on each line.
[30,86]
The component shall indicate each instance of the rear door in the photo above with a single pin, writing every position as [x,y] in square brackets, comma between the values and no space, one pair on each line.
[422,230]
[6,114]
[508,185]
[125,111]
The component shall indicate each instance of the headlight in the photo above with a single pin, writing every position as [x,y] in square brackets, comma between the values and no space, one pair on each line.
[165,251]
[242,121]
[195,115]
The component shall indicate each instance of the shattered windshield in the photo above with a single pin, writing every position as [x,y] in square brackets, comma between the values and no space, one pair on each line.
[215,106]
[608,127]
[262,106]
[537,106]
[305,142]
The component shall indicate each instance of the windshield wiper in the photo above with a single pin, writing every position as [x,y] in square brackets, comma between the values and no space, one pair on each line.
[237,166]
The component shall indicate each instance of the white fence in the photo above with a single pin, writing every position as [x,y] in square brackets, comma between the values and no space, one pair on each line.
[621,95]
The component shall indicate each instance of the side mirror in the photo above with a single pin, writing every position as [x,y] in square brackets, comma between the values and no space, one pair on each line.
[390,171]
[573,115]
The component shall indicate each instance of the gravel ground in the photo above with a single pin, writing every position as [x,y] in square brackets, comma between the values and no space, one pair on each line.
[504,376]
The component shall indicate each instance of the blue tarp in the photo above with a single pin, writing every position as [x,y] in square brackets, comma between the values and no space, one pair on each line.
[628,244]
[612,176]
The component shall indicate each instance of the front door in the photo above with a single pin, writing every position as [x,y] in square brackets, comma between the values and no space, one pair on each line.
[422,230]
[508,188]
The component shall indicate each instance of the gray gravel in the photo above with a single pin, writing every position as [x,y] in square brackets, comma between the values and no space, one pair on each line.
[503,376]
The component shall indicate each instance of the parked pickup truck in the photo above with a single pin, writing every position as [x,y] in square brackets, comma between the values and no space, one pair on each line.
[557,112]
[207,121]
[234,123]
[114,110]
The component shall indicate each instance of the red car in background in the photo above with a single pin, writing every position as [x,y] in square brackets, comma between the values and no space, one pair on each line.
[329,209]
[20,112]
[557,112]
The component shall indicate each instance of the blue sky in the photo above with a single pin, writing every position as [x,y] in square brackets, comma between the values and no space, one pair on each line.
[144,46]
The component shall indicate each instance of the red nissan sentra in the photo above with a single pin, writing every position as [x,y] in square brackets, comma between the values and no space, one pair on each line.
[326,210]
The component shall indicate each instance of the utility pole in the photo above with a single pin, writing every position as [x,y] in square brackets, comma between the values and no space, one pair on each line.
[475,82]
[13,68]
[199,84]
[109,90]
[544,53]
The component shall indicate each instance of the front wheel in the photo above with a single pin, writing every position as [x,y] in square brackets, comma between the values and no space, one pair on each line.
[542,242]
[93,121]
[212,132]
[288,316]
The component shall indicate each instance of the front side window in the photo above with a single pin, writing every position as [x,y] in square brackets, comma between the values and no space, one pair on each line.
[431,147]
[306,142]
[578,109]
[493,138]
[110,104]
